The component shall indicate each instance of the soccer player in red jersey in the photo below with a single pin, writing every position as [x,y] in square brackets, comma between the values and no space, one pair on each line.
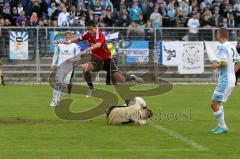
[100,56]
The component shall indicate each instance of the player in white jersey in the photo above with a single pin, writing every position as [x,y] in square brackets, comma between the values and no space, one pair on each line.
[63,67]
[227,57]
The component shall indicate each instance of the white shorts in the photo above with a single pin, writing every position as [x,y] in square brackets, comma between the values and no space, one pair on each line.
[221,94]
[64,73]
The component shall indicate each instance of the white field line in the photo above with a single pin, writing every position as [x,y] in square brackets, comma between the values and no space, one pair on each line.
[94,150]
[180,137]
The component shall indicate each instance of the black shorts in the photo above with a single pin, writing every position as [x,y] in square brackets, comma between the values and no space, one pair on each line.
[105,64]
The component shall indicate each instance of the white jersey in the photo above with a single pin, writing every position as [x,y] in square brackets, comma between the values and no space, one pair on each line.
[64,52]
[193,25]
[227,53]
[63,19]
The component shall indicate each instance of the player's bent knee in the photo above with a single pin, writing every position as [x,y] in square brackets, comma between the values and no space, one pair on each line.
[87,67]
[118,77]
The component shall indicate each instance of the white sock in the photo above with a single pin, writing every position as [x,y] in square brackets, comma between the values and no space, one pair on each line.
[55,94]
[220,117]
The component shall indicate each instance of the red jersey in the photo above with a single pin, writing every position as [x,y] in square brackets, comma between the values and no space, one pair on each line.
[101,52]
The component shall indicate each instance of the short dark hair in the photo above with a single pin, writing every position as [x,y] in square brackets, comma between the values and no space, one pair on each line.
[91,23]
[223,33]
[150,113]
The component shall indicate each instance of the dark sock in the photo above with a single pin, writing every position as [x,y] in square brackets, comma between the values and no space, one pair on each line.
[90,85]
[88,78]
[69,88]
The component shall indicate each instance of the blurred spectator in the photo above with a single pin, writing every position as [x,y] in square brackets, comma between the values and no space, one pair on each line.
[1,4]
[122,5]
[7,9]
[141,21]
[34,19]
[182,14]
[216,18]
[14,16]
[97,8]
[90,15]
[123,18]
[144,5]
[163,12]
[45,21]
[7,22]
[236,7]
[74,15]
[19,8]
[66,3]
[193,7]
[183,9]
[150,10]
[204,5]
[193,25]
[54,23]
[105,4]
[82,21]
[149,34]
[171,13]
[156,18]
[160,3]
[63,18]
[231,21]
[52,9]
[206,23]
[21,19]
[108,20]
[96,19]
[135,11]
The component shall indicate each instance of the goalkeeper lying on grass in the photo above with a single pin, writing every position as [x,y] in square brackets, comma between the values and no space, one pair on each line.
[135,112]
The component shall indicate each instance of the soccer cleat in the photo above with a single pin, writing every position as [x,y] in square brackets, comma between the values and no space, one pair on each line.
[90,92]
[221,131]
[215,129]
[53,103]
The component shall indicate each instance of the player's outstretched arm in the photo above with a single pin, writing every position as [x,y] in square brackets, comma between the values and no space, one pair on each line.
[73,40]
[93,47]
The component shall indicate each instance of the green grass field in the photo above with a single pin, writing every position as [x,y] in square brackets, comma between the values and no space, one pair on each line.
[30,129]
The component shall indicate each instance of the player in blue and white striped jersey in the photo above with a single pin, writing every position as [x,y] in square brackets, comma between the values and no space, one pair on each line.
[227,57]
